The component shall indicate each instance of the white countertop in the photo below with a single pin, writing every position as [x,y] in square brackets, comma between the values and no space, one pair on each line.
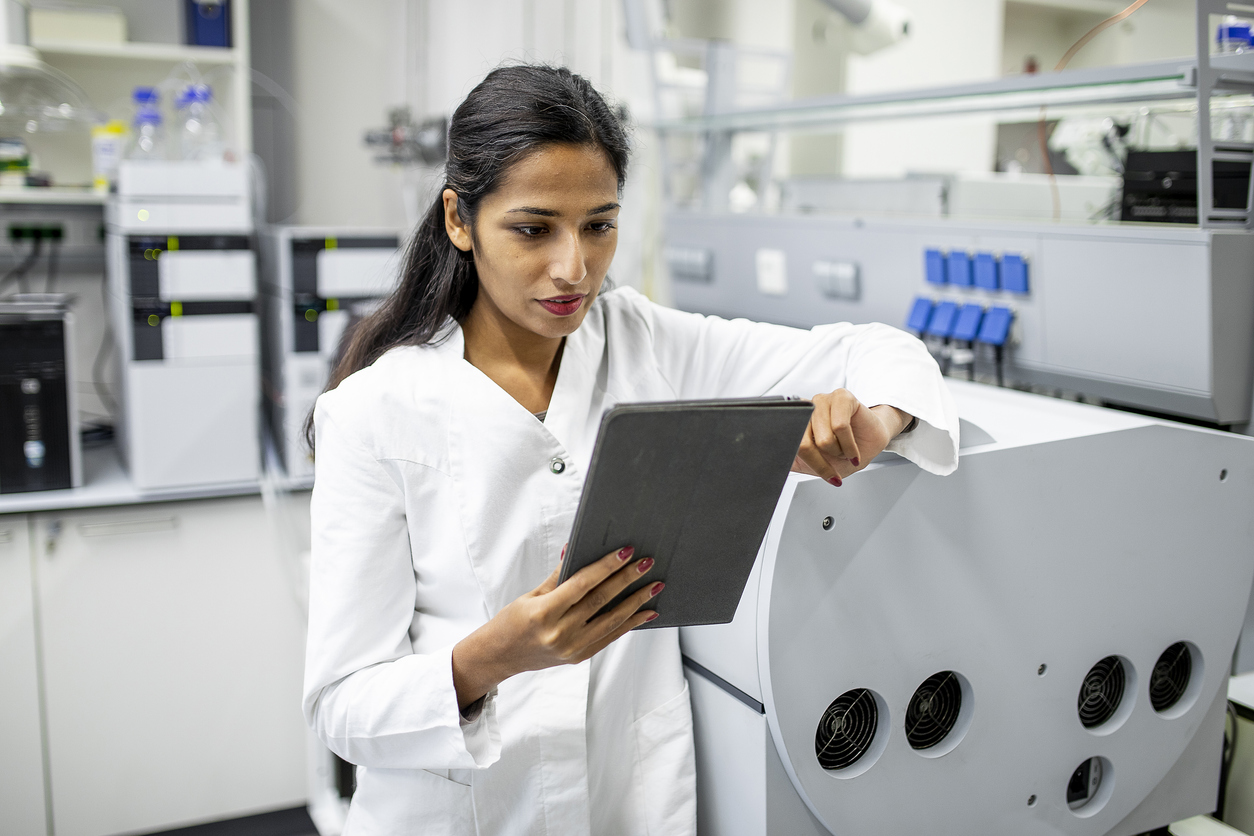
[106,482]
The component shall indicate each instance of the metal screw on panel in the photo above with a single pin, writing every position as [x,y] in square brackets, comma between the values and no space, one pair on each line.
[1031,800]
[827,523]
[1223,475]
[1040,672]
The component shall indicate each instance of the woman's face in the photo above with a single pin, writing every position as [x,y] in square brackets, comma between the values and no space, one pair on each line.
[544,240]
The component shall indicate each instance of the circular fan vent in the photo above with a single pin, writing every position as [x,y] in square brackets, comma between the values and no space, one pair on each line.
[1171,676]
[933,710]
[1101,692]
[846,729]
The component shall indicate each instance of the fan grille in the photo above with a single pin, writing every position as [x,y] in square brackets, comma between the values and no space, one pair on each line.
[1171,676]
[933,710]
[846,729]
[1101,692]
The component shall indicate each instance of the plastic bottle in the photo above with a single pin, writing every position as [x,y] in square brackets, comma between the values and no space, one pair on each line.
[148,134]
[1233,35]
[200,136]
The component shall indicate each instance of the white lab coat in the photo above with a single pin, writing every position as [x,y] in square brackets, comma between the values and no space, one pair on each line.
[435,505]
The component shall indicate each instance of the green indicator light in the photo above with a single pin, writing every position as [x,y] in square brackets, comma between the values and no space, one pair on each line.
[310,315]
[333,304]
[153,319]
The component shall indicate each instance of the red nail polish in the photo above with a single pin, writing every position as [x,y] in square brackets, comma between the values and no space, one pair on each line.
[651,617]
[563,555]
[835,480]
[657,587]
[626,552]
[644,565]
[855,462]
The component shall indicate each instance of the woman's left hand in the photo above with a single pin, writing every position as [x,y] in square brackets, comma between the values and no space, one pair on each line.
[844,435]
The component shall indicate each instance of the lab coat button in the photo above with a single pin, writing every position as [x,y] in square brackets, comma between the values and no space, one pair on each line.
[557,465]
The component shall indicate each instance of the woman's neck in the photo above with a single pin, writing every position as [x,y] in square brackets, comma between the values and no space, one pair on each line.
[521,362]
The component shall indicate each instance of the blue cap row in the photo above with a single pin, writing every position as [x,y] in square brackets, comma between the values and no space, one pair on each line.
[983,270]
[968,323]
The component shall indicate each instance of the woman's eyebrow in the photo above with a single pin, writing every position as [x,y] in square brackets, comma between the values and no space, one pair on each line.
[552,213]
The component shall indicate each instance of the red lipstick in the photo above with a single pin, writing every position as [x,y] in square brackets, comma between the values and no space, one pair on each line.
[562,305]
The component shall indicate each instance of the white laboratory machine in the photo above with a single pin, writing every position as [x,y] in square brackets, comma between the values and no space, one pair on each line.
[317,281]
[183,286]
[1038,644]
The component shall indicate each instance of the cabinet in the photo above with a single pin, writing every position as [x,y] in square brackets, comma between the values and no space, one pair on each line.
[21,767]
[171,644]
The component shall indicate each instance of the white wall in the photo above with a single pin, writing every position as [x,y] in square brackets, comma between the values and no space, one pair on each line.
[950,42]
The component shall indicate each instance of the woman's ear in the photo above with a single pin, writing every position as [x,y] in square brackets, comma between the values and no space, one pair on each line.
[458,231]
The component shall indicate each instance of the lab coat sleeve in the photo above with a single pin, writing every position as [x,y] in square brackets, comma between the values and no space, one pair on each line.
[710,357]
[367,695]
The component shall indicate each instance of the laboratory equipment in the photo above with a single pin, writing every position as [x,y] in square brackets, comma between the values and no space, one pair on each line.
[199,134]
[40,447]
[182,287]
[147,130]
[875,23]
[1037,644]
[317,282]
[1160,317]
[1161,186]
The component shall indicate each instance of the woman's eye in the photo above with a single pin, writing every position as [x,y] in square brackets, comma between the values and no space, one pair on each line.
[602,226]
[530,230]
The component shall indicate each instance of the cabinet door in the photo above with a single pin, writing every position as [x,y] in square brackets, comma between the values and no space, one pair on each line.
[22,762]
[173,655]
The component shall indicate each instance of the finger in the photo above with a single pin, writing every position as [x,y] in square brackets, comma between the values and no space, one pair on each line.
[608,590]
[589,577]
[636,619]
[814,460]
[843,430]
[604,625]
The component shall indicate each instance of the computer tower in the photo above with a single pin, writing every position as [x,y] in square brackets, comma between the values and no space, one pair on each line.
[40,446]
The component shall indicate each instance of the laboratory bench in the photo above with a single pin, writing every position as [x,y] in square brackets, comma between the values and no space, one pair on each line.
[152,649]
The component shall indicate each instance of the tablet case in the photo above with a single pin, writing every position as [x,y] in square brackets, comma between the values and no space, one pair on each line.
[692,484]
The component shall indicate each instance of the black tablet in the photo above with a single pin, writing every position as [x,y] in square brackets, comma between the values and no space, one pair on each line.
[692,484]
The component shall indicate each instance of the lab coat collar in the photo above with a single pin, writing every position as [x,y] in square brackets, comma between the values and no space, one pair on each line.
[576,377]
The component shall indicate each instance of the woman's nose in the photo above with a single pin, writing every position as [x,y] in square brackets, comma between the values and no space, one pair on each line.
[568,263]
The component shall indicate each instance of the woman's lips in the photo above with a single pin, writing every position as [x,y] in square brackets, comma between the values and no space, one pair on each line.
[562,305]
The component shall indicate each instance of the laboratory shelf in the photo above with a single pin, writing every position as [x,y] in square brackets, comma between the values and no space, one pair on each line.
[53,194]
[1155,81]
[106,483]
[168,53]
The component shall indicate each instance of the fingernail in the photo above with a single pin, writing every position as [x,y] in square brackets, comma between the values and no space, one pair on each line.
[855,461]
[626,552]
[563,557]
[835,480]
[644,565]
[651,617]
[657,587]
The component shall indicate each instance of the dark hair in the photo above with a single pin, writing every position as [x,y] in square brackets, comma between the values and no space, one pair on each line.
[511,113]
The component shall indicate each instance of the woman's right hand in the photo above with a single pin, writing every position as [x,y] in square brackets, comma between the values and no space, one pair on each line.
[554,624]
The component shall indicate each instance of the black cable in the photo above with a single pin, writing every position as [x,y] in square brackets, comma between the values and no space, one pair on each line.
[97,374]
[24,266]
[54,248]
[1001,378]
[971,365]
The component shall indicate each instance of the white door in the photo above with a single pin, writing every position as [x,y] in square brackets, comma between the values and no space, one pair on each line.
[22,764]
[173,642]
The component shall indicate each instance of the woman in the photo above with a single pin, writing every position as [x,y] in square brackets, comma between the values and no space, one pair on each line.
[472,691]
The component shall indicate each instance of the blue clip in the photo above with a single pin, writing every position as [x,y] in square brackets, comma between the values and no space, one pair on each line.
[920,313]
[941,323]
[985,271]
[958,268]
[934,266]
[968,323]
[1014,273]
[996,326]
